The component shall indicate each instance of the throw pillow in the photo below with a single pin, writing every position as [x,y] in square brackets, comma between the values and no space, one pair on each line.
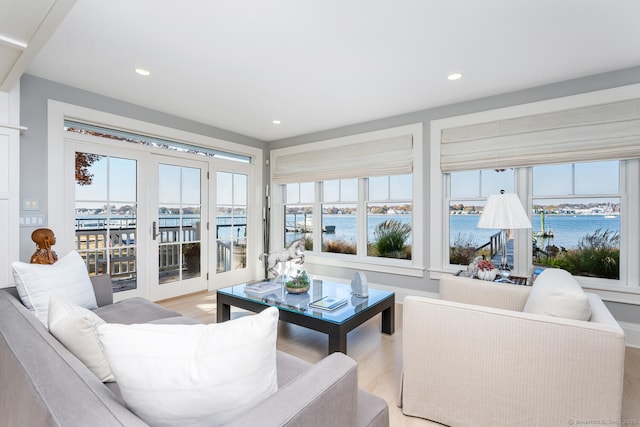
[68,278]
[195,375]
[75,327]
[556,293]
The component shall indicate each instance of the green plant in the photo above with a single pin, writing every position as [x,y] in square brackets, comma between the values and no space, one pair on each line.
[191,249]
[300,281]
[597,255]
[390,236]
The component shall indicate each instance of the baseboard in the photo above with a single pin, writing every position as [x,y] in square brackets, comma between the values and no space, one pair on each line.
[632,333]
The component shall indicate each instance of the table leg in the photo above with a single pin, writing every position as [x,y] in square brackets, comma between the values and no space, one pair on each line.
[338,342]
[223,312]
[389,320]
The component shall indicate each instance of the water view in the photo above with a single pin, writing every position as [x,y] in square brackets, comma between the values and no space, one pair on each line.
[567,230]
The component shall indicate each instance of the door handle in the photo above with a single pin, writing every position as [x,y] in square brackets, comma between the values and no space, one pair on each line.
[154,232]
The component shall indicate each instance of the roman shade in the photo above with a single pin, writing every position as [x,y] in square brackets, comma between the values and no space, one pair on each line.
[592,133]
[389,156]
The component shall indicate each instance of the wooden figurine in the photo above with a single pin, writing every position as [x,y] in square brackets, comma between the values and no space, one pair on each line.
[44,239]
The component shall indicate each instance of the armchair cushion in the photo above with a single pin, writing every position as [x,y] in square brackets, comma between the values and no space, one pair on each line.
[556,293]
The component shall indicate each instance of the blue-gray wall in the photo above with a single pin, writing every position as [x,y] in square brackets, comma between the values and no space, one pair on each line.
[622,312]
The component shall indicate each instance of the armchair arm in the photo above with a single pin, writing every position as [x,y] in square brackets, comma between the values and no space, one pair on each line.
[103,289]
[472,365]
[484,293]
[324,395]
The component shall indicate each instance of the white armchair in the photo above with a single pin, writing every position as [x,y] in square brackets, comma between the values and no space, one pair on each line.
[473,358]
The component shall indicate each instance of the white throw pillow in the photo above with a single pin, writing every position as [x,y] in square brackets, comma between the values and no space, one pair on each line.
[556,293]
[194,375]
[68,278]
[75,327]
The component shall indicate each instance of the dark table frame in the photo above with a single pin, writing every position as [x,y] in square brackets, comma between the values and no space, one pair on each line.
[337,331]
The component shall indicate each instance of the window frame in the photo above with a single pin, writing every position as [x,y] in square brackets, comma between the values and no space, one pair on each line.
[413,267]
[627,289]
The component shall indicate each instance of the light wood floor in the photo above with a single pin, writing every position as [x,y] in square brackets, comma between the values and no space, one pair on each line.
[379,356]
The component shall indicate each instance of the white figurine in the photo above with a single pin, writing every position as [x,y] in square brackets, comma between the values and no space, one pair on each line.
[359,285]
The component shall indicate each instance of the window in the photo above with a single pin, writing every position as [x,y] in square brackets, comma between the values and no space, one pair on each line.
[106,215]
[389,216]
[576,166]
[339,216]
[231,221]
[355,200]
[387,224]
[576,212]
[576,218]
[298,213]
[468,195]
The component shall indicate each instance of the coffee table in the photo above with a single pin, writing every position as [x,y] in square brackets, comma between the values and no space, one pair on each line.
[294,308]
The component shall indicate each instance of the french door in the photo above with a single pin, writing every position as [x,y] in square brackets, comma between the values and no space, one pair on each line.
[179,230]
[141,218]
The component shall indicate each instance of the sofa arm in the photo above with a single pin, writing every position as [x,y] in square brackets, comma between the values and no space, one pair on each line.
[324,395]
[507,368]
[103,289]
[484,293]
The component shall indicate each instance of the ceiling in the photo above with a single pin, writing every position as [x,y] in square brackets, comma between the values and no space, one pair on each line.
[318,64]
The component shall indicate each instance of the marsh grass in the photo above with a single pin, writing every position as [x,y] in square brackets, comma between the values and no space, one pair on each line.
[597,255]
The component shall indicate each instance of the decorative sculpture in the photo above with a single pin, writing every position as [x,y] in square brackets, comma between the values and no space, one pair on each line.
[44,239]
[276,261]
[359,285]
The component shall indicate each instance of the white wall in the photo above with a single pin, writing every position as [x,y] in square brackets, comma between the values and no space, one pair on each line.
[9,182]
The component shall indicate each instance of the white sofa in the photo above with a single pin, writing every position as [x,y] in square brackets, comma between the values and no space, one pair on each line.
[474,358]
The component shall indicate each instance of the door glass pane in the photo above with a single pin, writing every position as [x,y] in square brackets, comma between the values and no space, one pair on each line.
[106,217]
[231,221]
[179,223]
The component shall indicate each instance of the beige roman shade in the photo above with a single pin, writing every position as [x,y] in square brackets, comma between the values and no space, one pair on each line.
[597,132]
[389,156]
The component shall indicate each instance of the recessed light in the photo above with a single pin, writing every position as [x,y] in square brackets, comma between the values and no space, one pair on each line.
[276,122]
[454,76]
[143,72]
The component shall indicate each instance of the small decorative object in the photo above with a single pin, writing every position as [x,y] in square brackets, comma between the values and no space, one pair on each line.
[298,282]
[486,270]
[276,261]
[359,285]
[44,239]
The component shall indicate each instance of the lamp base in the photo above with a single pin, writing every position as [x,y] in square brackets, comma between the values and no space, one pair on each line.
[505,274]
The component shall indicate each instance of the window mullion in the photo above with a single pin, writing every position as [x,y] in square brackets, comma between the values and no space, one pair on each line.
[361,218]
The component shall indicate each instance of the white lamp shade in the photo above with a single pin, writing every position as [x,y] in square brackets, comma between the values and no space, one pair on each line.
[504,211]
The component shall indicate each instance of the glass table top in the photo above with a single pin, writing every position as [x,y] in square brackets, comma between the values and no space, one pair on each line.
[299,303]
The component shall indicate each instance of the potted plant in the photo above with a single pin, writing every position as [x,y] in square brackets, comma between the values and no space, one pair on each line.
[299,283]
[486,270]
[191,252]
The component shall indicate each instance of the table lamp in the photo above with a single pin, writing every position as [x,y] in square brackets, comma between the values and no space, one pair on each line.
[504,211]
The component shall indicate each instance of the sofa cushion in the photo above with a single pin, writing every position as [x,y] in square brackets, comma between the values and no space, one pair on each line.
[175,375]
[133,310]
[556,293]
[75,328]
[68,278]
